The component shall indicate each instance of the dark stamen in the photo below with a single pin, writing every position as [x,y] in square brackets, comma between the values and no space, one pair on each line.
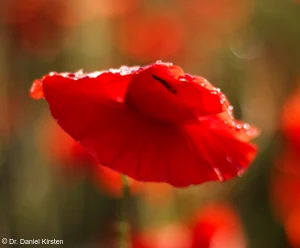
[164,83]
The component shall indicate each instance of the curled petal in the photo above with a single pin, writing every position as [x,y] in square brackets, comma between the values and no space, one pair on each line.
[164,92]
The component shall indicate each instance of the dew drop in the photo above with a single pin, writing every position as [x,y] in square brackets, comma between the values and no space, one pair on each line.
[241,172]
[182,79]
[219,174]
[114,70]
[119,99]
[239,126]
[246,126]
[229,159]
[124,70]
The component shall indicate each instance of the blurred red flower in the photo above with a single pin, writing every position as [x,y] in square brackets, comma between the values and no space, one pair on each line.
[209,24]
[285,182]
[290,123]
[214,226]
[147,36]
[40,27]
[217,15]
[18,11]
[108,8]
[218,226]
[172,235]
[152,123]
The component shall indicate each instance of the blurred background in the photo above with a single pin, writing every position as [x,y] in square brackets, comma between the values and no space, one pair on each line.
[50,188]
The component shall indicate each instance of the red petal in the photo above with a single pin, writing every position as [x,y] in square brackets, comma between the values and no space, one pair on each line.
[36,90]
[222,152]
[163,92]
[200,96]
[226,124]
[290,122]
[149,97]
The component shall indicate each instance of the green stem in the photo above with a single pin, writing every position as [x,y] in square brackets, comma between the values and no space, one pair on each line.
[124,225]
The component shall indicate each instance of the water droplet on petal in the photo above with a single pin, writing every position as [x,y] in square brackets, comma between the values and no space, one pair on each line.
[114,70]
[182,79]
[92,75]
[124,70]
[239,126]
[241,172]
[229,159]
[119,99]
[246,126]
[219,174]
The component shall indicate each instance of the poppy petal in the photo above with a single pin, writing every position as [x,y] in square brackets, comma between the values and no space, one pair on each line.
[226,155]
[36,90]
[163,92]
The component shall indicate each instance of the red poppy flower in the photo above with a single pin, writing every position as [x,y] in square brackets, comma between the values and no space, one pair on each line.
[218,226]
[41,27]
[152,123]
[286,174]
[172,235]
[147,36]
[217,16]
[290,123]
[108,8]
[215,225]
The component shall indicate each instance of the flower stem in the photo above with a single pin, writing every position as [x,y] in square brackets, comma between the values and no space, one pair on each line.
[124,226]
